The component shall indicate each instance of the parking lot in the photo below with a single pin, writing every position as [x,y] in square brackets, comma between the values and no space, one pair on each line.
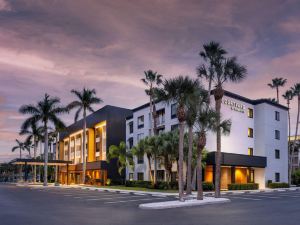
[48,206]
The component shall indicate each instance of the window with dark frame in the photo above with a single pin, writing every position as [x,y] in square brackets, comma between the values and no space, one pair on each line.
[173,110]
[277,134]
[277,116]
[277,177]
[130,176]
[140,122]
[250,113]
[174,127]
[277,154]
[130,142]
[140,176]
[140,158]
[250,132]
[130,127]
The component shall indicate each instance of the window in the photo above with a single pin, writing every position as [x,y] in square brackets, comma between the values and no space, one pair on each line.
[250,151]
[173,110]
[277,116]
[130,143]
[140,122]
[130,127]
[250,132]
[277,177]
[140,176]
[277,134]
[140,137]
[174,127]
[277,154]
[250,113]
[130,176]
[140,159]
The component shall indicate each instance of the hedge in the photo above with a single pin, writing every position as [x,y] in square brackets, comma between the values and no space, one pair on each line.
[296,177]
[248,186]
[162,185]
[278,185]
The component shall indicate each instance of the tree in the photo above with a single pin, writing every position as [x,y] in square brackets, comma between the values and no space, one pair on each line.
[224,69]
[207,120]
[152,80]
[179,89]
[296,92]
[288,96]
[45,111]
[276,83]
[85,99]
[122,154]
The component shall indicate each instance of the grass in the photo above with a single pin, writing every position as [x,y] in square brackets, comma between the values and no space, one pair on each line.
[122,187]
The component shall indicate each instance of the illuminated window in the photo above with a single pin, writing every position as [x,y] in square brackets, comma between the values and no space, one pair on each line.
[130,176]
[250,113]
[250,151]
[250,132]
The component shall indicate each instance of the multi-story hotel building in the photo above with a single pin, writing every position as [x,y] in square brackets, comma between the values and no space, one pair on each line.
[105,127]
[255,151]
[296,155]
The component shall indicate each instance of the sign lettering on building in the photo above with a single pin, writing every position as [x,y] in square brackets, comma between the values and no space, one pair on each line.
[234,105]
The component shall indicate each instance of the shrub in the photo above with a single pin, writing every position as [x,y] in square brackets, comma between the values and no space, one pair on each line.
[208,186]
[248,186]
[138,183]
[278,185]
[296,177]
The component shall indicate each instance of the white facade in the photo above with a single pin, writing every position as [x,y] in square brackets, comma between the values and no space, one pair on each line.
[234,107]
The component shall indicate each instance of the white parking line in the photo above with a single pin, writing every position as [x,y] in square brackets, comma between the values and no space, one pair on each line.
[132,200]
[96,199]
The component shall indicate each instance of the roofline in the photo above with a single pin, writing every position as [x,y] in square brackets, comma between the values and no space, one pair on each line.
[232,95]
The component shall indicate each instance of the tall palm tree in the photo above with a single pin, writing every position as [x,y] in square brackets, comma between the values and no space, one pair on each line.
[45,111]
[225,69]
[296,92]
[152,80]
[179,89]
[122,154]
[85,99]
[288,96]
[207,120]
[276,83]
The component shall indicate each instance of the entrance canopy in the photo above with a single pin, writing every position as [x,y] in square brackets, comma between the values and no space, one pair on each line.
[40,162]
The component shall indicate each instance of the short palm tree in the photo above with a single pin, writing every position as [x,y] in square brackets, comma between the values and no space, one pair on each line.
[45,111]
[122,154]
[276,83]
[288,96]
[296,92]
[224,70]
[179,89]
[85,99]
[152,80]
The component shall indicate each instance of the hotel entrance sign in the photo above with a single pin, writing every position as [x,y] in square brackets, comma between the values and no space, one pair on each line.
[234,105]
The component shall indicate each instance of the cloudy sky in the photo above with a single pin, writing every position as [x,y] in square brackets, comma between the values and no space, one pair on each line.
[55,45]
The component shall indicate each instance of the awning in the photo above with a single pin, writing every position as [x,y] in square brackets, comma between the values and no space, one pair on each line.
[231,159]
[40,162]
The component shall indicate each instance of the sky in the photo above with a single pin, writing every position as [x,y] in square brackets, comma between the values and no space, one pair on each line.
[54,46]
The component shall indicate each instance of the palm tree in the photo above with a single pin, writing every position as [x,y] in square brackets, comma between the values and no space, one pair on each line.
[179,89]
[224,70]
[122,154]
[46,111]
[85,99]
[288,96]
[212,52]
[296,92]
[207,120]
[276,83]
[152,80]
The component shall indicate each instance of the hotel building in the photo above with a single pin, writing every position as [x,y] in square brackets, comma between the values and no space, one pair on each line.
[105,127]
[255,151]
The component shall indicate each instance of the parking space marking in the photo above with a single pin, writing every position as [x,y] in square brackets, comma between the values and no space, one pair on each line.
[127,197]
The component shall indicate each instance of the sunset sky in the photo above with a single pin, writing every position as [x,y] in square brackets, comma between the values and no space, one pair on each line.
[54,46]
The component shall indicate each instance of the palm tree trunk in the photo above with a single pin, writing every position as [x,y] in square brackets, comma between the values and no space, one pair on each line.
[199,175]
[296,132]
[34,156]
[21,167]
[150,170]
[218,93]
[46,156]
[180,161]
[84,148]
[56,158]
[154,117]
[155,169]
[277,92]
[189,163]
[289,143]
[194,178]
